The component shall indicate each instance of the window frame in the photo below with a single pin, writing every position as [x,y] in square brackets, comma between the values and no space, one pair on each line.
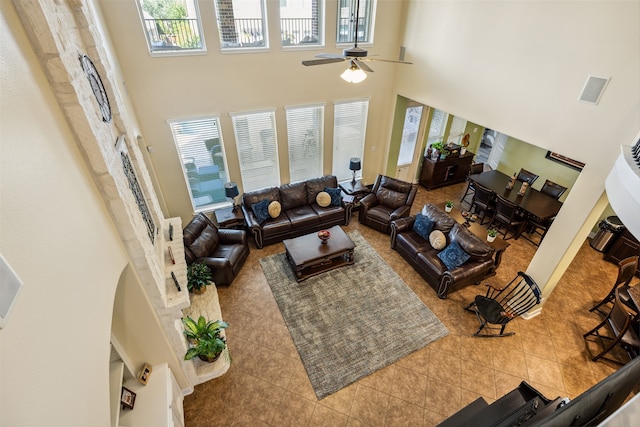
[174,52]
[297,146]
[321,30]
[181,157]
[247,49]
[370,18]
[343,173]
[247,185]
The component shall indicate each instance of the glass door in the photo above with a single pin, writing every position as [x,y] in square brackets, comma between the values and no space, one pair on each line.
[409,148]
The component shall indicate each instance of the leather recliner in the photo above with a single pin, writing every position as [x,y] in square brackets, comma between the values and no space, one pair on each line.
[224,251]
[390,199]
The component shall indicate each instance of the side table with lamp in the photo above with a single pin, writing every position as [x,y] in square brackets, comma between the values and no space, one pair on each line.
[355,188]
[230,217]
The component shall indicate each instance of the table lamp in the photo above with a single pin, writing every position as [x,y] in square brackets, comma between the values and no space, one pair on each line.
[231,191]
[354,165]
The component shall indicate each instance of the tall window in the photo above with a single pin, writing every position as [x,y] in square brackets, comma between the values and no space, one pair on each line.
[349,130]
[242,24]
[301,22]
[171,26]
[347,21]
[257,149]
[201,151]
[305,133]
[437,127]
[458,124]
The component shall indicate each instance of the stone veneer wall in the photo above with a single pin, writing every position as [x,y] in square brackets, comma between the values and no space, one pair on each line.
[59,32]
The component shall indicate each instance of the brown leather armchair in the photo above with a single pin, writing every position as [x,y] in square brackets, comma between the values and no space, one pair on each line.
[390,199]
[224,251]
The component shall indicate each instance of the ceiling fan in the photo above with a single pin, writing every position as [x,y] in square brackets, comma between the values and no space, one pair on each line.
[355,55]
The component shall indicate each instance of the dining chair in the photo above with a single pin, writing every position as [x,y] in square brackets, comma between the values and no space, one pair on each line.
[552,189]
[483,201]
[626,269]
[499,306]
[507,215]
[615,330]
[526,176]
[536,226]
[470,191]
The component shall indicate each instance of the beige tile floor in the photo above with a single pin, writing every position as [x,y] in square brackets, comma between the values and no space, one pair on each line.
[267,384]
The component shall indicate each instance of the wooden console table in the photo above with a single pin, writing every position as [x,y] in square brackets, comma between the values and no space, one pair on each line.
[442,172]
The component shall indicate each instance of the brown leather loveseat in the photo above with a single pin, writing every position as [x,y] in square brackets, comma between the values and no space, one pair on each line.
[424,258]
[298,212]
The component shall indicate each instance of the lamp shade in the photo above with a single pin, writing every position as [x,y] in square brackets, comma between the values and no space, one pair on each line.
[353,74]
[354,164]
[231,189]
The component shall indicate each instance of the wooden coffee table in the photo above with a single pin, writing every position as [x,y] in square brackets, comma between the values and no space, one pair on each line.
[308,256]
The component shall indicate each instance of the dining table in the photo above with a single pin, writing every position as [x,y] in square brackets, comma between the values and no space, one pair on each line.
[534,202]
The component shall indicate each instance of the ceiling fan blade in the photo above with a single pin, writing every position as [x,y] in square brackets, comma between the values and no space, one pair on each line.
[363,66]
[386,60]
[329,55]
[322,61]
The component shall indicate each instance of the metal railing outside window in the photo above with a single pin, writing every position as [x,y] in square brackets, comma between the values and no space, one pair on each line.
[172,34]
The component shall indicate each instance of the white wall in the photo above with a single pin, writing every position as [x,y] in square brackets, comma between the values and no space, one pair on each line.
[216,83]
[519,67]
[56,234]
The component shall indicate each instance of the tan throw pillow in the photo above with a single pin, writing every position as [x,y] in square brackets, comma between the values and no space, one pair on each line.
[438,240]
[323,199]
[274,209]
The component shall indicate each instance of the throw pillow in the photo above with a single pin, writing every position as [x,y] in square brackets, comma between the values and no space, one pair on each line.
[336,196]
[453,256]
[422,225]
[323,199]
[438,240]
[261,210]
[274,209]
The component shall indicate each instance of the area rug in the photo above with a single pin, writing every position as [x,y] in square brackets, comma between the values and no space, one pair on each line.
[352,321]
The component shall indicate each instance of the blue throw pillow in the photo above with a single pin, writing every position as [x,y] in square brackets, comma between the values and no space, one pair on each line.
[453,256]
[261,210]
[422,225]
[336,196]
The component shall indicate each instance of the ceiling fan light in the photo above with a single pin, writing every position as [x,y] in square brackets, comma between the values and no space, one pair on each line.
[353,74]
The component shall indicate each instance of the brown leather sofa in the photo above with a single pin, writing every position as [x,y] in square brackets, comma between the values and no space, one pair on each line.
[223,250]
[299,212]
[390,199]
[424,258]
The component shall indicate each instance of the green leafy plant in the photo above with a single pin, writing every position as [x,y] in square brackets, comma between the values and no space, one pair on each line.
[438,146]
[198,276]
[492,232]
[449,204]
[205,339]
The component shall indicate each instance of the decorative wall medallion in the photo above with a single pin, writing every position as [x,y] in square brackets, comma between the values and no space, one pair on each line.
[97,87]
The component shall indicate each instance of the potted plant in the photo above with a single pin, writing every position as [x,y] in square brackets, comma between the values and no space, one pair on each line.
[491,234]
[204,337]
[198,277]
[448,206]
[438,149]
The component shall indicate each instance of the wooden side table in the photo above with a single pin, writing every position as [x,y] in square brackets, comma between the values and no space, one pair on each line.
[228,218]
[358,191]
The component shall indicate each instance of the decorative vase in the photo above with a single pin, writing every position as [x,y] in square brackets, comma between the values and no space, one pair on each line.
[200,291]
[463,150]
[324,236]
[491,238]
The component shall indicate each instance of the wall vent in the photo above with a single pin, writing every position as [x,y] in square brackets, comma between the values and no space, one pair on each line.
[401,55]
[593,88]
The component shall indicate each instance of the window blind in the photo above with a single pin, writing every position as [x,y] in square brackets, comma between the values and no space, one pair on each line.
[437,126]
[200,148]
[458,124]
[305,133]
[257,146]
[349,130]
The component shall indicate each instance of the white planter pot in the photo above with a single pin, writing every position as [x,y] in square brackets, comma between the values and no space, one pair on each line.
[491,238]
[448,209]
[463,150]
